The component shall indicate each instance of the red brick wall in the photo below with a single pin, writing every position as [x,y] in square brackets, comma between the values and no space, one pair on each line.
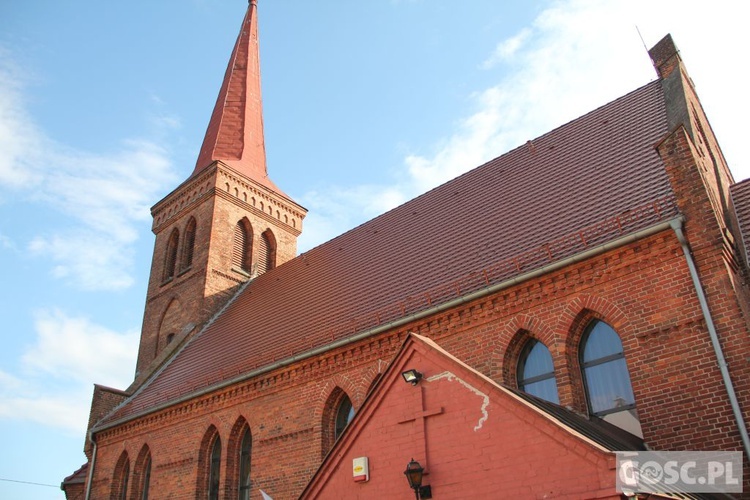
[643,290]
[218,198]
[478,442]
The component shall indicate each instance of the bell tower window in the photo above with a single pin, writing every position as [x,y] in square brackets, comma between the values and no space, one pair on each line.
[170,258]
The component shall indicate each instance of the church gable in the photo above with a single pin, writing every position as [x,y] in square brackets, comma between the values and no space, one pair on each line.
[458,424]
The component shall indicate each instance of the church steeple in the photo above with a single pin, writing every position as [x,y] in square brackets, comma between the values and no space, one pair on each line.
[226,224]
[235,132]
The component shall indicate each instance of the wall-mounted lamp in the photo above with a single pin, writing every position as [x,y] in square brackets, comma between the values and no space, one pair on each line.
[413,474]
[412,376]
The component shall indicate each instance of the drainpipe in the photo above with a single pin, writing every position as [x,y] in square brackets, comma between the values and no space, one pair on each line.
[677,226]
[91,469]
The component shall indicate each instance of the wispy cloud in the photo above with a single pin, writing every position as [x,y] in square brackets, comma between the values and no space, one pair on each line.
[104,196]
[575,56]
[57,369]
[506,49]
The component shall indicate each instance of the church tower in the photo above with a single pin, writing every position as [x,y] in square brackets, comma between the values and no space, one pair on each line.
[226,224]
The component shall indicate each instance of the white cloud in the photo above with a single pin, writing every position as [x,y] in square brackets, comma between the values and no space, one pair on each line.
[54,388]
[104,196]
[506,49]
[19,140]
[577,55]
[75,348]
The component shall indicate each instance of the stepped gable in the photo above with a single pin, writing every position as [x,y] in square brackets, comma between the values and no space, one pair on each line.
[583,184]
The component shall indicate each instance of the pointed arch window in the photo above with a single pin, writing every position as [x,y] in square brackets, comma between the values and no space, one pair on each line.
[536,372]
[188,245]
[344,415]
[609,392]
[214,470]
[242,246]
[266,252]
[170,258]
[246,446]
[146,479]
[121,476]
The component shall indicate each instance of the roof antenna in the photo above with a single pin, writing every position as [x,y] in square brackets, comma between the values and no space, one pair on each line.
[641,37]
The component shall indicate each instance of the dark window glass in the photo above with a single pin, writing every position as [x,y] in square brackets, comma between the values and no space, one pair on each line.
[146,478]
[124,481]
[245,452]
[344,415]
[536,373]
[215,467]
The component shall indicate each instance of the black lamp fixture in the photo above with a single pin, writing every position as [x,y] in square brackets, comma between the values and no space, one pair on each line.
[414,473]
[412,376]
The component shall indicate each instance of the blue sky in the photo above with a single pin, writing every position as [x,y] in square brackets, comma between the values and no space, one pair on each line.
[103,106]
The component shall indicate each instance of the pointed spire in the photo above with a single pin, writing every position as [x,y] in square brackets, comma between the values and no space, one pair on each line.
[235,132]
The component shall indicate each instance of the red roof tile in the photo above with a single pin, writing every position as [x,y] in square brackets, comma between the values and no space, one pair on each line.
[583,184]
[740,193]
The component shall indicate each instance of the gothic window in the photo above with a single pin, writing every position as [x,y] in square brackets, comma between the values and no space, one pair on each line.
[536,373]
[214,470]
[146,479]
[242,248]
[344,415]
[266,252]
[170,258]
[606,378]
[245,453]
[188,245]
[142,474]
[121,476]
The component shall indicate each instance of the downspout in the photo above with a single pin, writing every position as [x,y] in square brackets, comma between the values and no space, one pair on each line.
[90,477]
[677,226]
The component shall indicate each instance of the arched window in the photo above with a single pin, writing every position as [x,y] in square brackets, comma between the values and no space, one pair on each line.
[242,247]
[606,378]
[188,245]
[120,478]
[344,415]
[170,258]
[245,453]
[536,373]
[142,474]
[146,479]
[266,252]
[214,470]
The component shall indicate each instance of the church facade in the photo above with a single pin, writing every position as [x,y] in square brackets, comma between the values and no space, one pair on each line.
[582,294]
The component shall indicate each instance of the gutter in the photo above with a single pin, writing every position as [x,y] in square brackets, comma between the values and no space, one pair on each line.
[90,477]
[677,226]
[624,240]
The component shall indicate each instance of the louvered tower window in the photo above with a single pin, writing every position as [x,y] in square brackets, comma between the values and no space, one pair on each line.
[266,252]
[242,248]
[170,258]
[188,245]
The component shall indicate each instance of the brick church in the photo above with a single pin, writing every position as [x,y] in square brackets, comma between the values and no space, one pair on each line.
[582,294]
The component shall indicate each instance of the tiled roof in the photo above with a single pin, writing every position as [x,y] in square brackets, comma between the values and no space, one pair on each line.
[740,193]
[78,477]
[600,431]
[583,184]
